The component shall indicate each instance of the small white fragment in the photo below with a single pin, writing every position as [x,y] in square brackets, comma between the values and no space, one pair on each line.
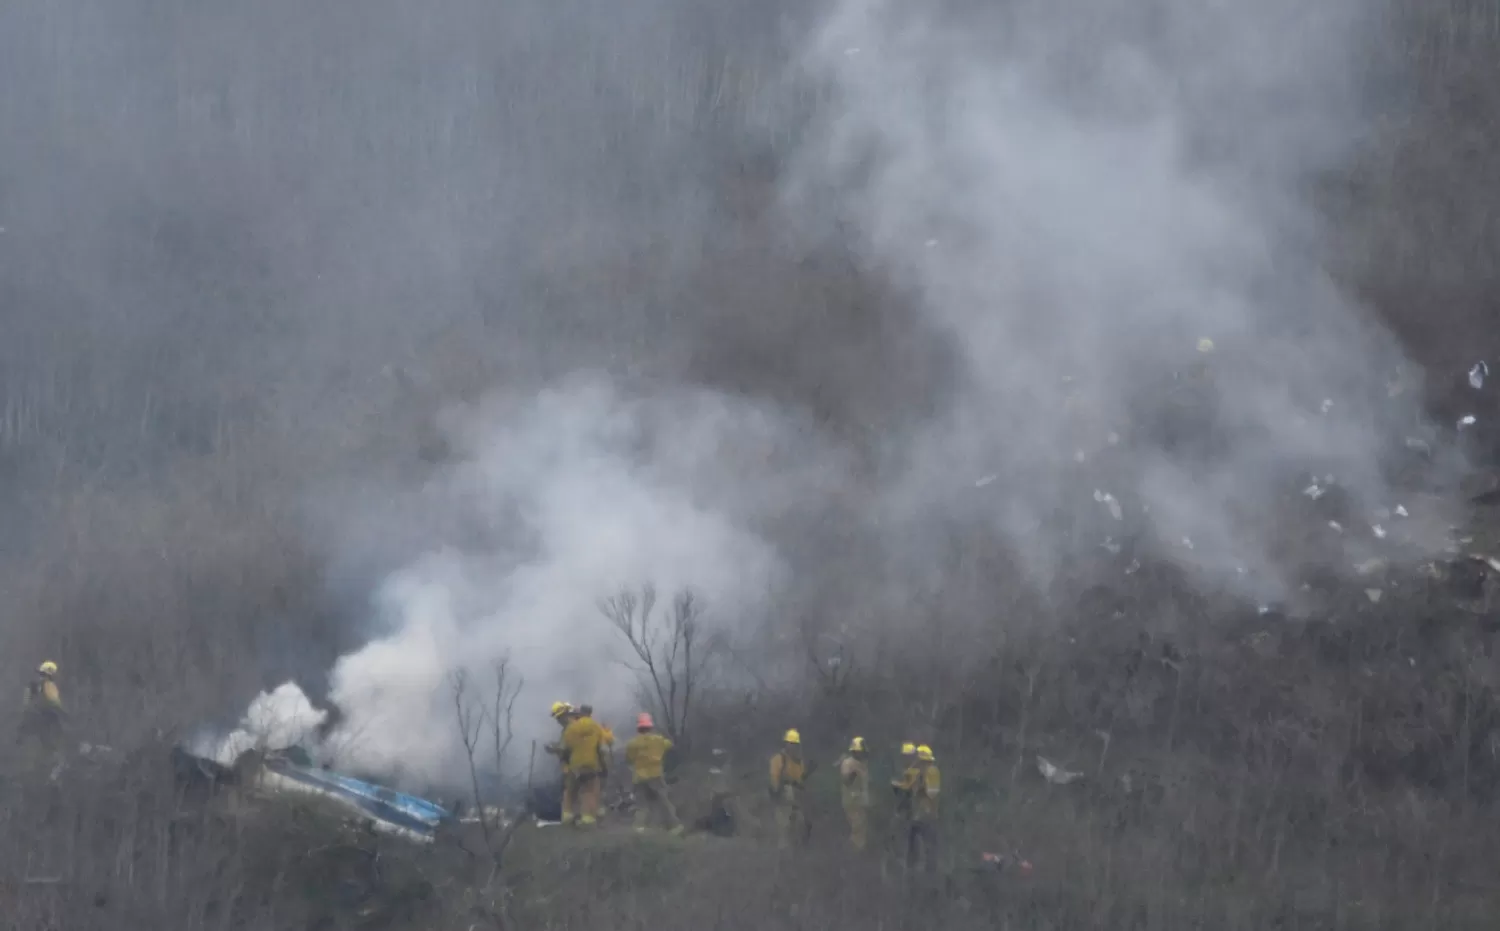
[1401,511]
[986,480]
[1110,545]
[1414,443]
[1411,661]
[1467,420]
[1131,569]
[1327,405]
[1187,542]
[1263,609]
[1108,500]
[1378,530]
[1369,566]
[1373,594]
[1477,374]
[1313,491]
[1205,345]
[1336,526]
[1490,561]
[1055,774]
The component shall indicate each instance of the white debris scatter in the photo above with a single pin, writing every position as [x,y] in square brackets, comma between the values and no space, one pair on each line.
[1108,500]
[1110,545]
[1205,345]
[1401,511]
[1314,491]
[1378,530]
[1373,594]
[1477,375]
[1467,420]
[986,480]
[1327,405]
[1369,566]
[1338,527]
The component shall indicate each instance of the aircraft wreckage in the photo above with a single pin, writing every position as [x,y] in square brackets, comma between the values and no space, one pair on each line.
[288,773]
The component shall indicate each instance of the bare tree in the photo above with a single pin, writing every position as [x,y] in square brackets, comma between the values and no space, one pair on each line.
[670,649]
[470,725]
[502,710]
[492,718]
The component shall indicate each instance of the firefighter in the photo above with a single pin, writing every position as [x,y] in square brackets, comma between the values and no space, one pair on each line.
[922,781]
[42,714]
[561,713]
[580,741]
[901,811]
[606,754]
[644,754]
[854,788]
[788,776]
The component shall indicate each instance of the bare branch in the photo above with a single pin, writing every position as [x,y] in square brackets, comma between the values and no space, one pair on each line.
[669,651]
[469,730]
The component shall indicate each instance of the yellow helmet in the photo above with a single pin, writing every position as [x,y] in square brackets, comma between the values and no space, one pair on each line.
[560,708]
[792,737]
[924,752]
[908,749]
[48,668]
[857,745]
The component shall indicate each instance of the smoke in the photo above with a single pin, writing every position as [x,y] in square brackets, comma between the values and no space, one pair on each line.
[1107,210]
[275,720]
[554,502]
[1100,215]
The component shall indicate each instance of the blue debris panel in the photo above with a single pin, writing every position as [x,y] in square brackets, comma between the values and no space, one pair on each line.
[396,809]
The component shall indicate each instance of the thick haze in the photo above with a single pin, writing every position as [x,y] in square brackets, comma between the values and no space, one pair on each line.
[1079,195]
[521,303]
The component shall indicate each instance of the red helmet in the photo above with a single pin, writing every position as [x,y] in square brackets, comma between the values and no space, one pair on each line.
[643,722]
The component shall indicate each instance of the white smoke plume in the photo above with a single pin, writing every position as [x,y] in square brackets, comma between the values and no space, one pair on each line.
[275,720]
[1106,206]
[569,496]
